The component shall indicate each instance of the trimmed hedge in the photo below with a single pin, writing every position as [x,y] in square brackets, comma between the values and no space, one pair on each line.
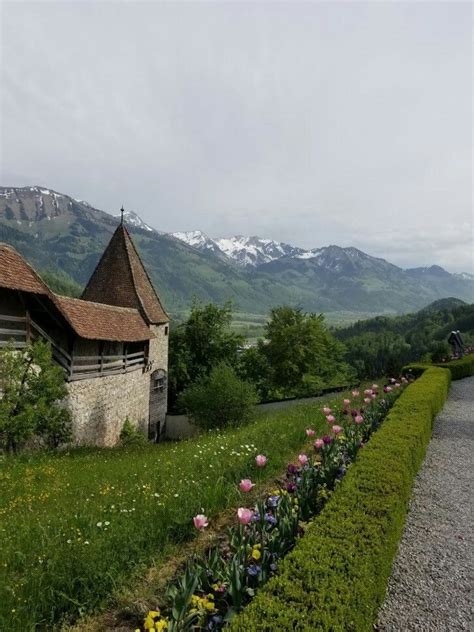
[335,578]
[459,368]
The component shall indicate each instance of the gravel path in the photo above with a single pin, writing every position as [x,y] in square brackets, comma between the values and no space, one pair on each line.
[432,579]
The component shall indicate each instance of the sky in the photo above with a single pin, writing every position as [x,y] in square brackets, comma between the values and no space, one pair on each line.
[313,123]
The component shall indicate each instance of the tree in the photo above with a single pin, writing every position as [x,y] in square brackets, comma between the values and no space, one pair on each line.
[302,354]
[32,388]
[199,344]
[220,399]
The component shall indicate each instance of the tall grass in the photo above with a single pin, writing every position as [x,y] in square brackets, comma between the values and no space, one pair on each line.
[74,527]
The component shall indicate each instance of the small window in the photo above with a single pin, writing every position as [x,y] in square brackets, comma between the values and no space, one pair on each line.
[159,381]
[166,330]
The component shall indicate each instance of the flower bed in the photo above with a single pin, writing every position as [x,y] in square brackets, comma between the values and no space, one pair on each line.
[335,578]
[79,527]
[214,587]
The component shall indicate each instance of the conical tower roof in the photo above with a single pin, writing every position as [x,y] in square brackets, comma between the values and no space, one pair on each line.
[120,279]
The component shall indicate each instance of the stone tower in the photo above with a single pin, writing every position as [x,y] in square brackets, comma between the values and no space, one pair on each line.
[120,279]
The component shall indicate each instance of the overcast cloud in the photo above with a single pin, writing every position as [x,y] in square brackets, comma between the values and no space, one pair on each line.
[311,123]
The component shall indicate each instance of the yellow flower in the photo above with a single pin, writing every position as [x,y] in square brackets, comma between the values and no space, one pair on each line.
[256,554]
[160,625]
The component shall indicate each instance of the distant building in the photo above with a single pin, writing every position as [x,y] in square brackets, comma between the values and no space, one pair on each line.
[112,342]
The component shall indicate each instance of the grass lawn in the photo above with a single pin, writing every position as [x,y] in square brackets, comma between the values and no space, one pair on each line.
[79,526]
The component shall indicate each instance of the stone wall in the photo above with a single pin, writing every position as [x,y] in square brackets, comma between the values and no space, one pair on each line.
[100,405]
[158,355]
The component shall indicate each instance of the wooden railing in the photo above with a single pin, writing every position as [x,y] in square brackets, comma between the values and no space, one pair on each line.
[17,330]
[13,330]
[83,367]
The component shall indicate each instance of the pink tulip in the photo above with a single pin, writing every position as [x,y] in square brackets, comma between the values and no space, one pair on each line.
[331,419]
[347,402]
[358,419]
[375,387]
[303,459]
[244,515]
[404,380]
[318,444]
[397,385]
[326,410]
[374,395]
[200,521]
[368,391]
[246,485]
[387,389]
[355,393]
[367,400]
[260,460]
[310,432]
[336,429]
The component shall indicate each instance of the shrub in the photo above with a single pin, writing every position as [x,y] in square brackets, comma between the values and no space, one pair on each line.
[219,400]
[335,578]
[131,436]
[458,368]
[32,388]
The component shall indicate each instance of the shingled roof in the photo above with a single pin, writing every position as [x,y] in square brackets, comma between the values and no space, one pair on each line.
[121,279]
[17,274]
[97,321]
[94,321]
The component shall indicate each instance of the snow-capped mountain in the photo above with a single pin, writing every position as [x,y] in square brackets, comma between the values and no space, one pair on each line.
[254,251]
[199,240]
[131,218]
[244,251]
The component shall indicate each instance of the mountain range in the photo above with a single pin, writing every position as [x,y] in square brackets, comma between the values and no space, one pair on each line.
[64,237]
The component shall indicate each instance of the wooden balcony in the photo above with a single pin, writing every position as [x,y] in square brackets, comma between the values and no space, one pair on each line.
[19,330]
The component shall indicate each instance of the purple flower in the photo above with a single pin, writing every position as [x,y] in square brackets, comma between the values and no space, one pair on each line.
[270,518]
[327,439]
[292,469]
[256,517]
[273,566]
[354,412]
[253,570]
[290,488]
[272,501]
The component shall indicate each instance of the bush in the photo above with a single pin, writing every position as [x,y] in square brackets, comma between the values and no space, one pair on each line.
[32,387]
[220,400]
[458,368]
[131,436]
[335,578]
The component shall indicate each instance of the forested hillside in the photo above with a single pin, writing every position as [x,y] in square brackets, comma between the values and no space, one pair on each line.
[382,345]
